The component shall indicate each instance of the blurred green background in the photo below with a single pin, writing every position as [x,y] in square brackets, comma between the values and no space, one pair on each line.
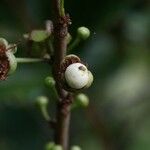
[118,53]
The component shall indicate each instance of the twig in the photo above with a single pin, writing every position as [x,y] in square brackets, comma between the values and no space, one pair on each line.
[61,22]
[29,60]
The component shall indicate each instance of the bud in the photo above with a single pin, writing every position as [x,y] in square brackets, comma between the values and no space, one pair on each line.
[42,100]
[75,147]
[49,146]
[57,147]
[81,100]
[52,146]
[69,38]
[49,81]
[83,33]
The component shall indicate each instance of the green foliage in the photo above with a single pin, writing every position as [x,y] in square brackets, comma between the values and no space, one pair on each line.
[117,53]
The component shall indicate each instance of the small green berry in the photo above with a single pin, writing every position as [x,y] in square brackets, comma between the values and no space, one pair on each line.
[57,147]
[83,33]
[42,100]
[52,146]
[49,146]
[81,100]
[69,38]
[49,81]
[75,147]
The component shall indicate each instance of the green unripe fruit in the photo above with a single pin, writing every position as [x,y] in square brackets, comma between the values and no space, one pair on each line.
[57,147]
[52,146]
[75,147]
[42,100]
[81,100]
[49,81]
[69,38]
[83,33]
[49,146]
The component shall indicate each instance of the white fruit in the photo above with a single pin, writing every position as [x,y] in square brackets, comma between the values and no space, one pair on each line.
[77,75]
[91,78]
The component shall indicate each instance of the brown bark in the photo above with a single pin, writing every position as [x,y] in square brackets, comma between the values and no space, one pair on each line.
[60,46]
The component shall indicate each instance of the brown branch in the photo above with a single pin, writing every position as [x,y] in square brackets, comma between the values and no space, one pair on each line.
[60,46]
